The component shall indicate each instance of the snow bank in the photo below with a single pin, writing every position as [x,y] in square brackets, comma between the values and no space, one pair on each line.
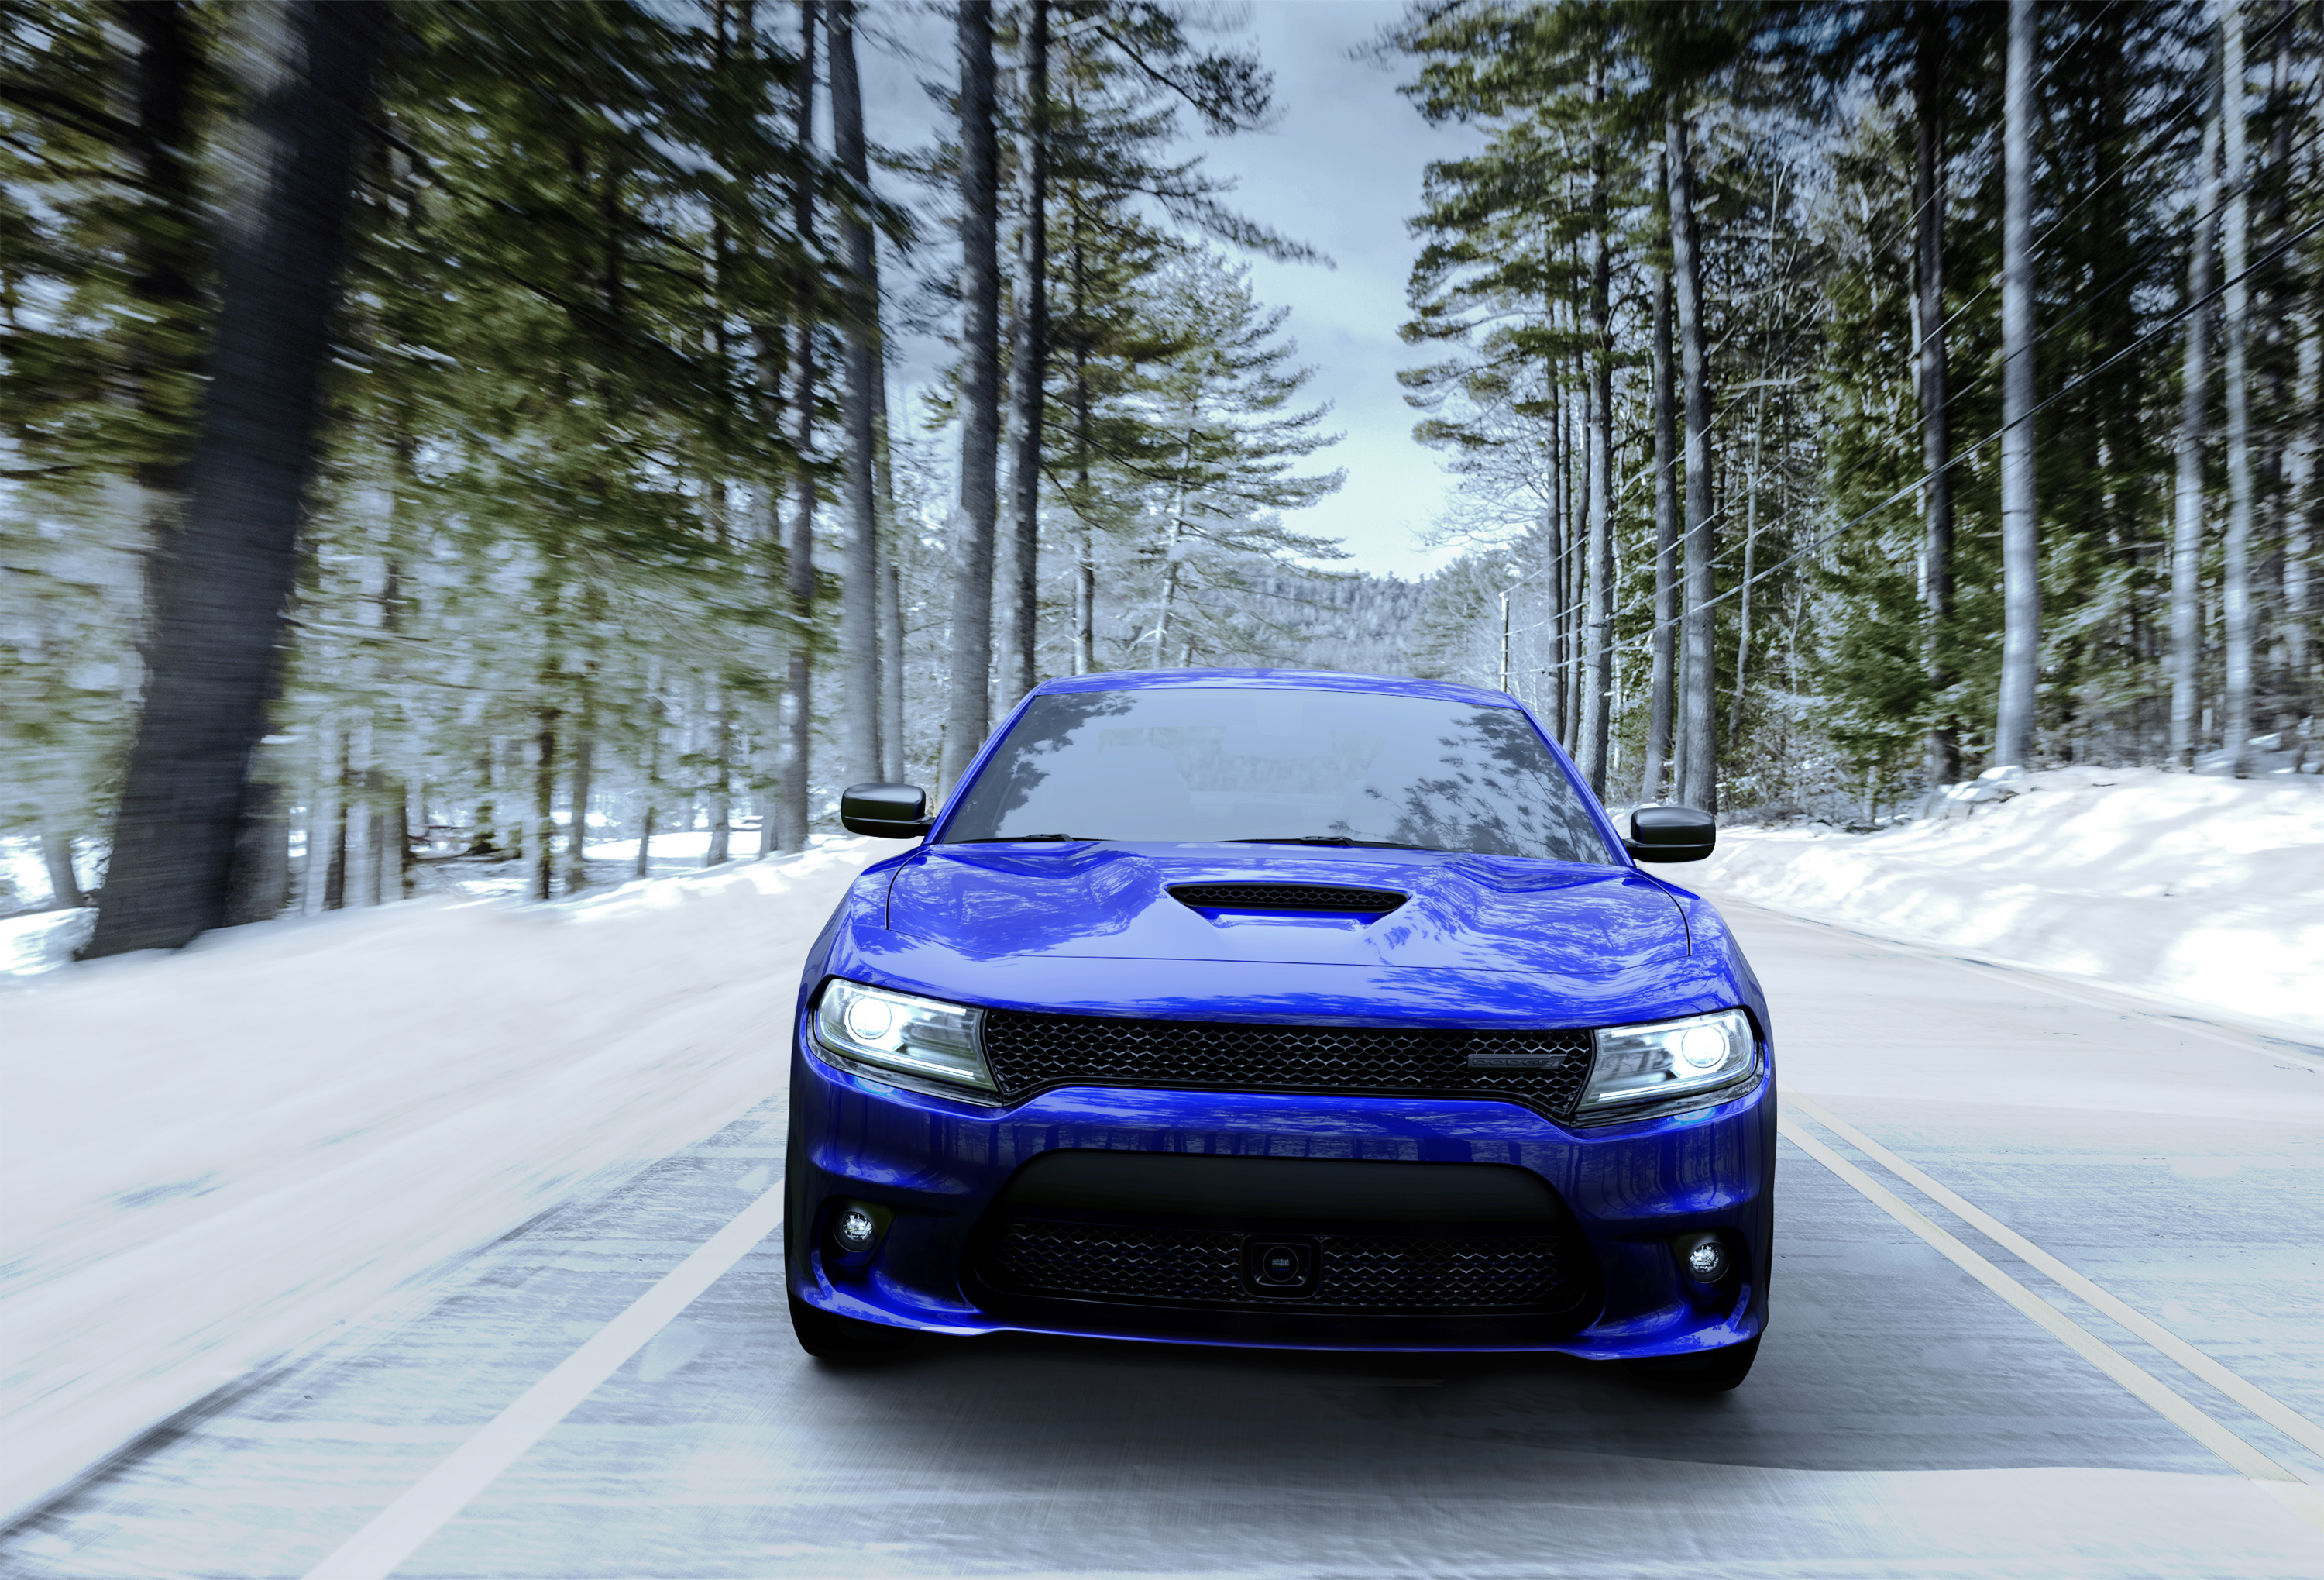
[210,1159]
[2206,891]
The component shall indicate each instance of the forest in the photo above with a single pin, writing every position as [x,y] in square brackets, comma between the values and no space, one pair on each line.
[460,438]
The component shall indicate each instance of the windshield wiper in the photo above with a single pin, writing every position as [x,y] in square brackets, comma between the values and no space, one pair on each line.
[1339,839]
[1021,839]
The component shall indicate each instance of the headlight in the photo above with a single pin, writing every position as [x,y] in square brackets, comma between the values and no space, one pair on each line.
[1670,1058]
[896,1031]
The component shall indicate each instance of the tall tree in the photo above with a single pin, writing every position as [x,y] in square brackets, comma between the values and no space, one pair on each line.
[966,715]
[795,805]
[859,622]
[1698,766]
[1662,684]
[2235,561]
[1597,671]
[1224,398]
[1931,193]
[222,593]
[1017,671]
[2186,651]
[2021,539]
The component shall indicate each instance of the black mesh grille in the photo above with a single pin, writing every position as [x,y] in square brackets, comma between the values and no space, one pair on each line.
[1287,897]
[1422,1273]
[1028,1050]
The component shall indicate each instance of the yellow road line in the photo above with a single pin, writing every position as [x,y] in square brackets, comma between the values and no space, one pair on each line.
[2298,1496]
[2261,1403]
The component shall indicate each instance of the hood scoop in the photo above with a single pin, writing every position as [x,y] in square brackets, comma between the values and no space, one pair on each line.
[1312,899]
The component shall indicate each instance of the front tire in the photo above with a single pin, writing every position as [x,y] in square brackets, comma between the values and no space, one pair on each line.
[1705,1371]
[827,1337]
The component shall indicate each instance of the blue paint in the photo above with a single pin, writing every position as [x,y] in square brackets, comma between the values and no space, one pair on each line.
[1484,942]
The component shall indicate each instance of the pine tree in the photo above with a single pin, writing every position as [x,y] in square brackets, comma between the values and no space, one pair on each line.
[221,600]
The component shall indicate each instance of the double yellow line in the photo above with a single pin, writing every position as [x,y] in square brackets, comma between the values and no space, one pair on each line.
[2286,1488]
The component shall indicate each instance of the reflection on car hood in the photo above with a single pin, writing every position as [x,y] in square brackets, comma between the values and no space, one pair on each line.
[1113,901]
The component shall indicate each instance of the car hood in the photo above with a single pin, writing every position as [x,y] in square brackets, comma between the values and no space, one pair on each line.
[1113,901]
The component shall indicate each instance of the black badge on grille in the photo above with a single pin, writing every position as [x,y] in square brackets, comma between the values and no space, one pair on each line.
[1516,1061]
[1281,1267]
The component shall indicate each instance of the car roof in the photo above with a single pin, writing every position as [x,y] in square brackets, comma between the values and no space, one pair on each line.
[1276,680]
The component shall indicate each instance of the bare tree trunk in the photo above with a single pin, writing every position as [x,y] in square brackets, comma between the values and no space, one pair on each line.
[1597,632]
[544,802]
[1697,784]
[334,876]
[653,776]
[2187,535]
[891,605]
[1170,558]
[967,717]
[584,763]
[1743,592]
[2234,568]
[1552,566]
[261,858]
[217,619]
[859,617]
[374,829]
[512,841]
[1577,585]
[2306,499]
[1941,759]
[1084,535]
[2277,464]
[1030,365]
[57,856]
[891,672]
[722,784]
[483,817]
[409,836]
[1663,679]
[800,559]
[2021,539]
[161,339]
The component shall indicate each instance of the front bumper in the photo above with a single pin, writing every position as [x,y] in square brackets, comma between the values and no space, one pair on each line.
[931,1169]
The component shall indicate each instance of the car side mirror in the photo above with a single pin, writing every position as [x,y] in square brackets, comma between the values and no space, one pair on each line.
[1671,834]
[884,811]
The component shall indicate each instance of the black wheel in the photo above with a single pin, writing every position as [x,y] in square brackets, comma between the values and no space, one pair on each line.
[1708,1371]
[828,1337]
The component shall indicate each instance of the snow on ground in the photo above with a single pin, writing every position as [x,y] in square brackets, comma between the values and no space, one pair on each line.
[211,1159]
[2206,891]
[34,942]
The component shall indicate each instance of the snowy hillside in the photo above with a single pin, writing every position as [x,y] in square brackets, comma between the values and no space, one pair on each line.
[2203,889]
[210,1159]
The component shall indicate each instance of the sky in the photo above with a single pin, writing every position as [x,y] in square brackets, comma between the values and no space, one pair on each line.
[1339,168]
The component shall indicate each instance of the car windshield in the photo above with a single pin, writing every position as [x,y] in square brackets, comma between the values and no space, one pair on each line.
[1227,763]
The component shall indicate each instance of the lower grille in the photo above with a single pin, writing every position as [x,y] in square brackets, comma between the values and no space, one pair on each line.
[1028,1051]
[1447,1275]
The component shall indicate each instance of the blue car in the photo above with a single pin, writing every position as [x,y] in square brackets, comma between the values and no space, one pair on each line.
[1274,1008]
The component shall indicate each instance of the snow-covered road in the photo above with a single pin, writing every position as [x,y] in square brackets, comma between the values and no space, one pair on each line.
[1915,1412]
[214,1160]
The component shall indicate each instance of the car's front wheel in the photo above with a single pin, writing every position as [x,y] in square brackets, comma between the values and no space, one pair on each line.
[1705,1371]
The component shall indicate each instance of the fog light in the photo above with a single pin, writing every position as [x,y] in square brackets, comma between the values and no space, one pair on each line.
[1706,1260]
[855,1230]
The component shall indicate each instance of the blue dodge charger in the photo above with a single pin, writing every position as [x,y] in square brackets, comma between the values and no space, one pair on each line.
[1275,1008]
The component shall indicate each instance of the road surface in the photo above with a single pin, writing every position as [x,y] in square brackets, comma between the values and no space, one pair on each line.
[2097,1350]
